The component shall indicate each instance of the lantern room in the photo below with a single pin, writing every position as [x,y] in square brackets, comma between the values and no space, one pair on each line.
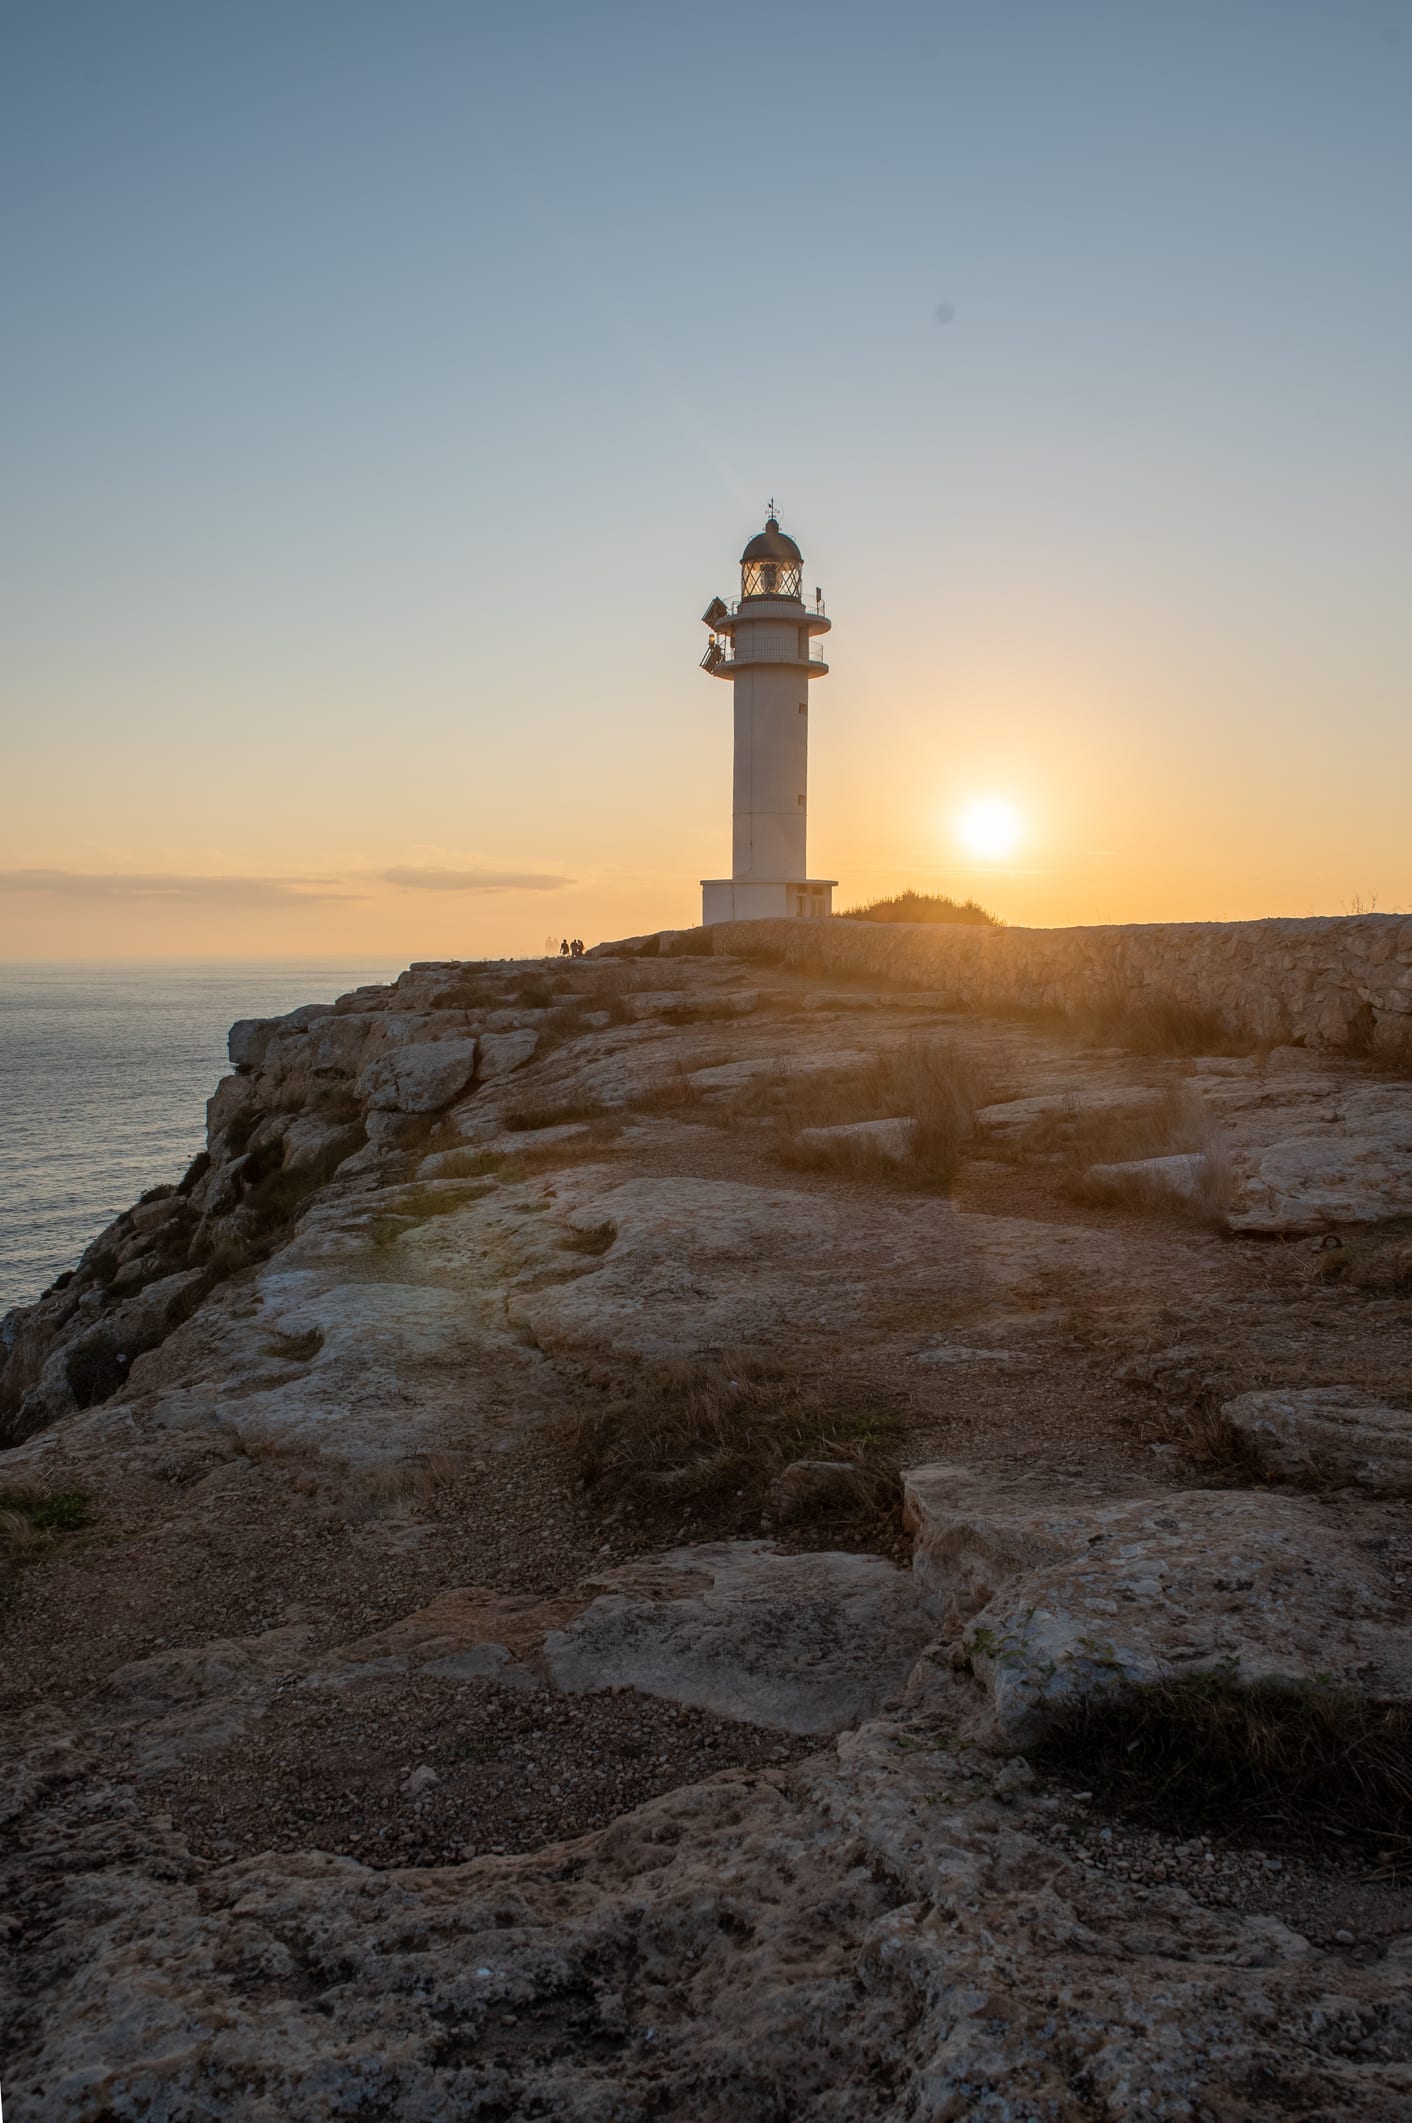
[771,565]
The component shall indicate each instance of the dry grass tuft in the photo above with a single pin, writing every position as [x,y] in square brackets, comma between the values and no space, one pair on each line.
[1390,1046]
[1273,1762]
[925,1080]
[296,1348]
[1377,1262]
[596,1240]
[398,1489]
[419,1205]
[673,1093]
[549,1112]
[700,1439]
[1077,1139]
[466,1162]
[1158,1024]
[31,1518]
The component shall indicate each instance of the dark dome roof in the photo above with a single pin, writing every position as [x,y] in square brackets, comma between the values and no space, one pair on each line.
[772,544]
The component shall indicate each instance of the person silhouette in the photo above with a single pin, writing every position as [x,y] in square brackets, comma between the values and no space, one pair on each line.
[564,948]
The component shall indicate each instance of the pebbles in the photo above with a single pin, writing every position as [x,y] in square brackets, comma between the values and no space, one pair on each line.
[430,1772]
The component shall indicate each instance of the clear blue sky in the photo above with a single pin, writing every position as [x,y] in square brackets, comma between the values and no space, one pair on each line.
[386,388]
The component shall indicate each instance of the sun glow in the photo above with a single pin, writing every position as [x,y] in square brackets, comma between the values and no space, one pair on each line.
[989,828]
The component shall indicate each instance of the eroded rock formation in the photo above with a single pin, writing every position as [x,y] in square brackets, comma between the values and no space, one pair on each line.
[497,1677]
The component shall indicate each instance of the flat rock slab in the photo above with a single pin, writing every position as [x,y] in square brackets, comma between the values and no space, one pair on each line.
[1183,1175]
[1013,1118]
[891,1139]
[1336,1432]
[1058,1601]
[805,1643]
[1310,1183]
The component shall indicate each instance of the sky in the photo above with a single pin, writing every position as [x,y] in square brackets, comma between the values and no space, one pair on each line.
[387,388]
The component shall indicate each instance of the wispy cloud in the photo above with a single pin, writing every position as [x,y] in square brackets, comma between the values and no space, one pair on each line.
[175,886]
[428,880]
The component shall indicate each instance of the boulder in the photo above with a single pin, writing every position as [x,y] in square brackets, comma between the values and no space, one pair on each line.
[806,1488]
[316,1146]
[1311,1182]
[1339,1433]
[1058,1598]
[336,1043]
[247,1040]
[420,1079]
[500,1052]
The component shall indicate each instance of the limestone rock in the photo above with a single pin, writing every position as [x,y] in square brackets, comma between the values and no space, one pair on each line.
[1059,1600]
[1012,1119]
[1311,1182]
[247,1040]
[500,1052]
[1338,1432]
[420,1079]
[806,1487]
[809,1643]
[1185,1175]
[891,1139]
[315,1146]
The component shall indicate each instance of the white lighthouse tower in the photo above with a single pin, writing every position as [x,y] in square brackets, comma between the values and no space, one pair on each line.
[764,645]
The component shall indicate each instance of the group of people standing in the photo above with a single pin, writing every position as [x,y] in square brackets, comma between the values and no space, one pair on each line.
[571,947]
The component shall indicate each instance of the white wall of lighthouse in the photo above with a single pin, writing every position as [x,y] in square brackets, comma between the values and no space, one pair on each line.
[764,644]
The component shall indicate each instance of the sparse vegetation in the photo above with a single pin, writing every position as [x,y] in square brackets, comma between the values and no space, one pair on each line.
[1277,1762]
[593,1241]
[1377,1262]
[925,1080]
[1079,1139]
[700,1439]
[466,1162]
[1157,1024]
[30,1518]
[1390,1046]
[673,1093]
[398,1487]
[418,1205]
[549,1112]
[923,907]
[297,1348]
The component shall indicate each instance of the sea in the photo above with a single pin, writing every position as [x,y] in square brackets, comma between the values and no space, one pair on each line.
[104,1075]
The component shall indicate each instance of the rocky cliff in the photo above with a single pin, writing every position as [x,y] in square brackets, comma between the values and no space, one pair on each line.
[708,1538]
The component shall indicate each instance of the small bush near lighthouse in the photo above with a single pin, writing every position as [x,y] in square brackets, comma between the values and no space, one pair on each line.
[922,906]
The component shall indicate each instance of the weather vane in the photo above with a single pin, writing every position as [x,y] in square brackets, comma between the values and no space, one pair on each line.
[774,512]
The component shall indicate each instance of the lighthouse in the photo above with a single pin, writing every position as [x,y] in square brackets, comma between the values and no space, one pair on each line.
[764,645]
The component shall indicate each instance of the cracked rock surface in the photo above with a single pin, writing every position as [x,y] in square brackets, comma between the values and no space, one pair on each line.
[372,1751]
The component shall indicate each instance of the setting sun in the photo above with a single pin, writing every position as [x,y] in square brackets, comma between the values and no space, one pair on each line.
[989,828]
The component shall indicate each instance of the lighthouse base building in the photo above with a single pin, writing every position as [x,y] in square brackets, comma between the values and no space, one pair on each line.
[764,645]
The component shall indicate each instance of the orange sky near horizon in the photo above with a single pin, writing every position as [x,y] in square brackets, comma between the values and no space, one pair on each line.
[375,438]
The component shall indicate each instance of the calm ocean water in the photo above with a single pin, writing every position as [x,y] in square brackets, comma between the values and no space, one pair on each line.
[104,1076]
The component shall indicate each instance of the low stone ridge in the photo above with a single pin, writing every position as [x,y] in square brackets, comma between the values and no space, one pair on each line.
[1335,1432]
[1340,981]
[492,1675]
